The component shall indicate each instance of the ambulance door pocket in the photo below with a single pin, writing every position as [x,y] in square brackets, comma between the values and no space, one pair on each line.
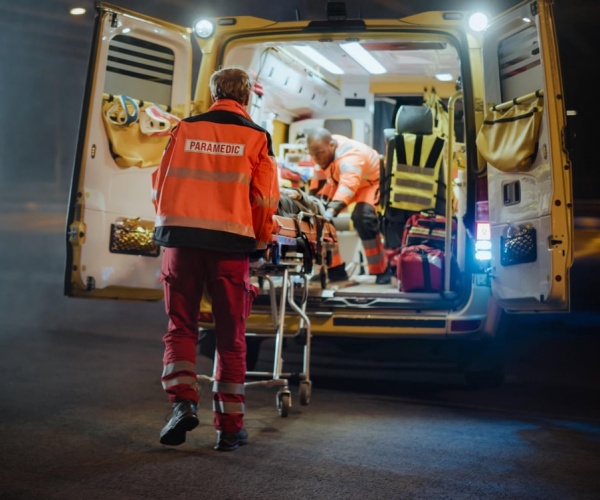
[137,131]
[133,237]
[508,138]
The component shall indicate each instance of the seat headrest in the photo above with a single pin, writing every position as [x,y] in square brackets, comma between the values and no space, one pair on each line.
[414,120]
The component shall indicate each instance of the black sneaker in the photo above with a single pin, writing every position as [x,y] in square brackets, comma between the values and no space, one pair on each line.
[337,273]
[384,278]
[183,419]
[229,441]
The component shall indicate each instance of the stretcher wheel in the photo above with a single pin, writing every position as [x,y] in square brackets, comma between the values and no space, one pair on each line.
[284,401]
[305,390]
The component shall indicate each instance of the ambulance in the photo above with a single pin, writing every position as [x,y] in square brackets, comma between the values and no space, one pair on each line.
[493,93]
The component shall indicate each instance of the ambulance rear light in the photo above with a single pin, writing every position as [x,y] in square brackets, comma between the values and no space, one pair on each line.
[483,234]
[483,243]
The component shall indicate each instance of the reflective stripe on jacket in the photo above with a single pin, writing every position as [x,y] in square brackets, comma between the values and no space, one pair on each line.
[353,175]
[415,182]
[216,186]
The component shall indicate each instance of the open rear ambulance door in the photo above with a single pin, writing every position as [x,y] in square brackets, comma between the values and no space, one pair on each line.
[138,87]
[530,207]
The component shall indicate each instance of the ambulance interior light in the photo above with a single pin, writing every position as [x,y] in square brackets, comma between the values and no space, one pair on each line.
[357,52]
[320,59]
[444,77]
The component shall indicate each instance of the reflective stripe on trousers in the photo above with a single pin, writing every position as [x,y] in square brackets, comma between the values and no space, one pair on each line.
[366,222]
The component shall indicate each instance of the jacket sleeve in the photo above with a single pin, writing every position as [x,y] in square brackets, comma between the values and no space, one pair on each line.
[158,176]
[351,172]
[264,197]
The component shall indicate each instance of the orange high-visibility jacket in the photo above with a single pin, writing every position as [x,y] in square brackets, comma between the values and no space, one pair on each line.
[353,175]
[216,186]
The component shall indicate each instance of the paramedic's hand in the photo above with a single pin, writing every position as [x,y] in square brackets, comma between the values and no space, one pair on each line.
[334,208]
[257,259]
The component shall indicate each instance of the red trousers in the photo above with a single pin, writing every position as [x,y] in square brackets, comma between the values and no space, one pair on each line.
[186,274]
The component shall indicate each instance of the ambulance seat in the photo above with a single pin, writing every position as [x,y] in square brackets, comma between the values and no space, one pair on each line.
[418,121]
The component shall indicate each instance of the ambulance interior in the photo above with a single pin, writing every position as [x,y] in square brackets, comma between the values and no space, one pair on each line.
[301,85]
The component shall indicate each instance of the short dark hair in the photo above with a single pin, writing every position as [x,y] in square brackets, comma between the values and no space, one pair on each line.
[230,83]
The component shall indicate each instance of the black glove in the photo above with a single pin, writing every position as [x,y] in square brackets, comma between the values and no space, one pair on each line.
[257,255]
[257,259]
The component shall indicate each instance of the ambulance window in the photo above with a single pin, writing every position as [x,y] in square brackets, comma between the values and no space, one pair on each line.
[342,126]
[520,64]
[140,69]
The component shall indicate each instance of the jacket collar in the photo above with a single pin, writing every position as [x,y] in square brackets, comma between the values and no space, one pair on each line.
[229,105]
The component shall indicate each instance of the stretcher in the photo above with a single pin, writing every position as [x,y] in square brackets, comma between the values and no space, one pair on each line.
[299,242]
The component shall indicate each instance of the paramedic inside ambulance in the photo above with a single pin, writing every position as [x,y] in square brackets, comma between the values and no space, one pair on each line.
[349,173]
[215,194]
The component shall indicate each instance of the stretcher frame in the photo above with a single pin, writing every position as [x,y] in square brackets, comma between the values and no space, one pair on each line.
[299,242]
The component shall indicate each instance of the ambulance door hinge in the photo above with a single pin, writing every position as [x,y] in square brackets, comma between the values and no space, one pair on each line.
[534,8]
[76,233]
[554,242]
[90,284]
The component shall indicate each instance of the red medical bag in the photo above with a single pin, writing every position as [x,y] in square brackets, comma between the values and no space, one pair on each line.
[420,269]
[427,228]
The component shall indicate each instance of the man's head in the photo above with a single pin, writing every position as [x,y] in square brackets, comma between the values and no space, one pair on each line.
[321,146]
[230,83]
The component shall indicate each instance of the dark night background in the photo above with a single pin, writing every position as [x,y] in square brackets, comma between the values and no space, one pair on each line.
[81,403]
[43,62]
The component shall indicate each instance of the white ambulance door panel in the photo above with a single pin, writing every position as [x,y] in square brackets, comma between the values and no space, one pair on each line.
[530,207]
[138,88]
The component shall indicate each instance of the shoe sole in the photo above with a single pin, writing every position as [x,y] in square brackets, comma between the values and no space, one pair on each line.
[176,435]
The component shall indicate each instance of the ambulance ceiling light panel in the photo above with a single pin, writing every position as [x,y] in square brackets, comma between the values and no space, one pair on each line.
[362,57]
[319,59]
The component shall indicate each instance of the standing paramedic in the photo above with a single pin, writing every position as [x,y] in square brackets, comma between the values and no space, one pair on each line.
[349,173]
[215,194]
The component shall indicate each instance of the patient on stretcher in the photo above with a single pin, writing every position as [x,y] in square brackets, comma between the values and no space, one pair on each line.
[301,233]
